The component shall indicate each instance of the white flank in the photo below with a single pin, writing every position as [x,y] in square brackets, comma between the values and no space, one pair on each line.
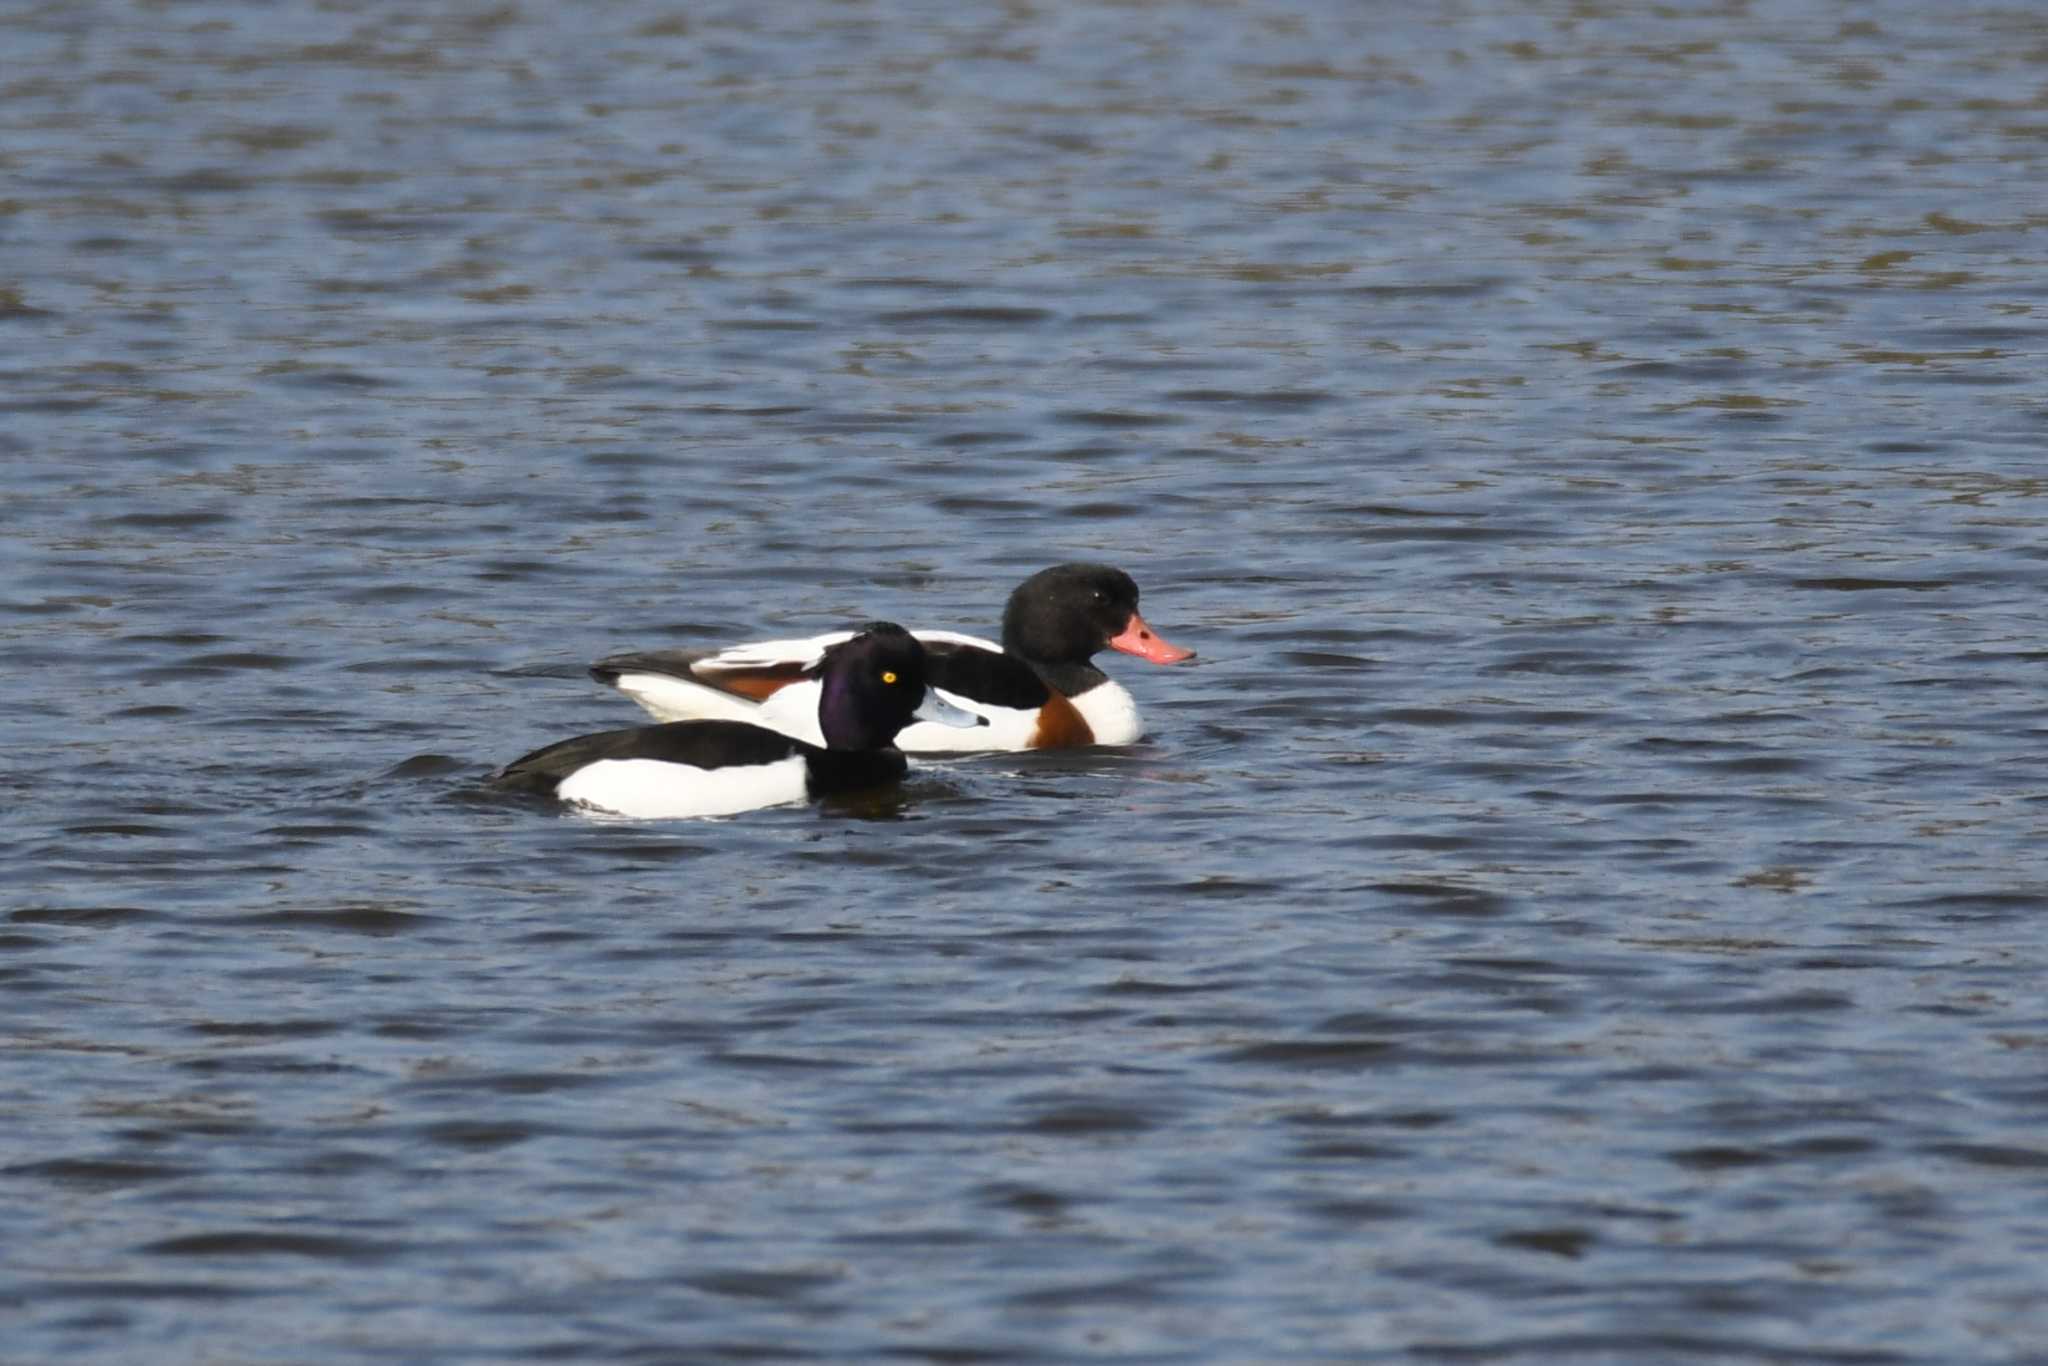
[1110,713]
[1007,728]
[649,789]
[793,710]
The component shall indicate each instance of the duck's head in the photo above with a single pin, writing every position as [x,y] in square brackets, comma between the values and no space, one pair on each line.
[874,686]
[1065,614]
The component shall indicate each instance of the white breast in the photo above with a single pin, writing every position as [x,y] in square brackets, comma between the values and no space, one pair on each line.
[649,789]
[1111,713]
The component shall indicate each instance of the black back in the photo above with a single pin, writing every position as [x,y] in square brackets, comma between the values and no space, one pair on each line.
[701,744]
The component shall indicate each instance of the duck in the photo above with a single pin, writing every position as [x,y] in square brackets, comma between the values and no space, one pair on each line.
[868,686]
[1038,688]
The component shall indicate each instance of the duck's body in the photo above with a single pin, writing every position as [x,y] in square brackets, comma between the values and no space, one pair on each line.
[868,686]
[1036,689]
[696,768]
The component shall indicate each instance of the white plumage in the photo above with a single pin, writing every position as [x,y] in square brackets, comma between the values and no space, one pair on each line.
[651,789]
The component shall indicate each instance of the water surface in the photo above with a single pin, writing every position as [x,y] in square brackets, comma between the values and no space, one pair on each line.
[1582,905]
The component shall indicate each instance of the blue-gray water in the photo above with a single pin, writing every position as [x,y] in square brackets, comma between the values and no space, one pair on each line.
[1584,905]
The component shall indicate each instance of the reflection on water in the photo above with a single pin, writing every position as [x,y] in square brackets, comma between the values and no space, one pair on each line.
[1577,907]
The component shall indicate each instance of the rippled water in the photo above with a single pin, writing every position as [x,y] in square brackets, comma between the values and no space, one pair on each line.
[1583,905]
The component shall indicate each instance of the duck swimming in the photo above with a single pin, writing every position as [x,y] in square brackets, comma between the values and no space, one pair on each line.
[1037,689]
[868,686]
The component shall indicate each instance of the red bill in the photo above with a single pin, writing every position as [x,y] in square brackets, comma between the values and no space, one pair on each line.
[1141,640]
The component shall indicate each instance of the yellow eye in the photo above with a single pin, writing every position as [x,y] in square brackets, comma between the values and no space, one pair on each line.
[888,677]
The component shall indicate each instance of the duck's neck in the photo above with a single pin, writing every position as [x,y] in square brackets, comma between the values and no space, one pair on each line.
[1069,679]
[845,770]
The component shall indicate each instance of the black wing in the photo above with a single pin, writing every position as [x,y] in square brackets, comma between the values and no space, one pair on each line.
[1001,680]
[701,744]
[675,663]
